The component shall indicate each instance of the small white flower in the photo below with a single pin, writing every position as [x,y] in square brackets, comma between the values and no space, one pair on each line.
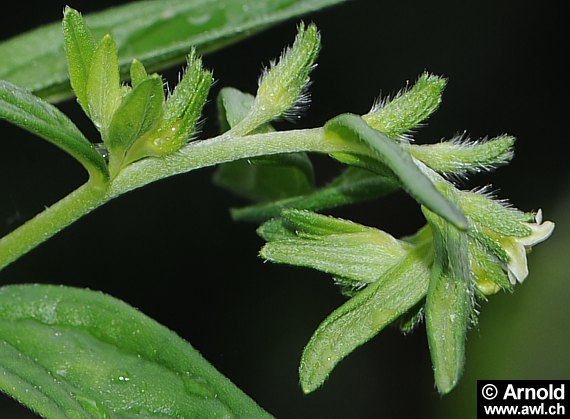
[517,247]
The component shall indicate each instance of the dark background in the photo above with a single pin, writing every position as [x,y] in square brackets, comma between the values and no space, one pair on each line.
[172,251]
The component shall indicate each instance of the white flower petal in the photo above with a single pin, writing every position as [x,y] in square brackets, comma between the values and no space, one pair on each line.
[512,277]
[540,232]
[538,217]
[517,267]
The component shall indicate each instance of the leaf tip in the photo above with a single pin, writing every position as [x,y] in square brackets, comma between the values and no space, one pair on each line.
[69,11]
[306,379]
[460,221]
[306,389]
[108,39]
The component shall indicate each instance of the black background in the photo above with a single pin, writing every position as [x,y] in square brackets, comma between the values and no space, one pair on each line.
[172,250]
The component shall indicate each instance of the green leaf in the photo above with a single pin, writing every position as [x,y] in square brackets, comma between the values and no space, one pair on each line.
[262,179]
[352,186]
[461,157]
[266,180]
[67,352]
[410,107]
[103,85]
[79,49]
[367,141]
[364,316]
[312,224]
[140,110]
[22,108]
[449,301]
[276,229]
[446,323]
[339,247]
[137,72]
[157,32]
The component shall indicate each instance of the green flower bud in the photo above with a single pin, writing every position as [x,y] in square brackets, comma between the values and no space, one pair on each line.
[181,112]
[461,156]
[183,108]
[408,108]
[282,87]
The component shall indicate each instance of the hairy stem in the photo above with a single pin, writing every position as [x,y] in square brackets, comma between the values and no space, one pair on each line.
[88,197]
[44,225]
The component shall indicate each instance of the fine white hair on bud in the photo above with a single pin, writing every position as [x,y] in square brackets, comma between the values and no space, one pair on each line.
[396,115]
[462,156]
[488,192]
[283,86]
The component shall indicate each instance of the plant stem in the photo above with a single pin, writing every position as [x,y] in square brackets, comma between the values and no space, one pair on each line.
[221,149]
[53,219]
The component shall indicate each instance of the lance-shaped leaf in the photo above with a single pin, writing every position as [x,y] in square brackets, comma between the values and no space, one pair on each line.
[352,186]
[341,248]
[364,316]
[68,352]
[310,224]
[137,72]
[449,301]
[370,142]
[140,111]
[79,49]
[158,32]
[446,323]
[103,85]
[261,179]
[22,108]
[409,108]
